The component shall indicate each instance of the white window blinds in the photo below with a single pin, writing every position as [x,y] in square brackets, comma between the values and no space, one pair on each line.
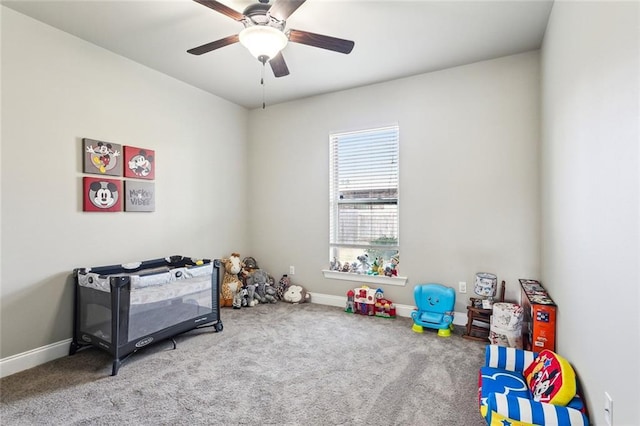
[364,180]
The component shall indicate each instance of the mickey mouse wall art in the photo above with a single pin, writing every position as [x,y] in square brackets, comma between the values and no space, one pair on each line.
[139,163]
[102,158]
[102,195]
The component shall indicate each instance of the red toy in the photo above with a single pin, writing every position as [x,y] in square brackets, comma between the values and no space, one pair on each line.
[367,301]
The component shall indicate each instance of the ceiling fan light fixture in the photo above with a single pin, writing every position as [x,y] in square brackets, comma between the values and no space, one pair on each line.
[263,40]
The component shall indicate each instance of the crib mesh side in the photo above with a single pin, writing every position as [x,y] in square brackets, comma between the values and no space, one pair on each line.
[154,309]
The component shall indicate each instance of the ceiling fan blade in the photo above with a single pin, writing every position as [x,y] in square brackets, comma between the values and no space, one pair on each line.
[321,41]
[282,9]
[219,7]
[279,66]
[214,45]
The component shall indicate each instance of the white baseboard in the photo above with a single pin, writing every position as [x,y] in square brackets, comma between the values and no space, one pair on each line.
[459,318]
[20,362]
[23,361]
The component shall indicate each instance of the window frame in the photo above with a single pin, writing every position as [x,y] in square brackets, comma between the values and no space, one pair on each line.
[383,139]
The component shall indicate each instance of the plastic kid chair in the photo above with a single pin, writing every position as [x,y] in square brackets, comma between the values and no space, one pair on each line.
[435,304]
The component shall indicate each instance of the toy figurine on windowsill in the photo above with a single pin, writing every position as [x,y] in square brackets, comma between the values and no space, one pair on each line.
[392,269]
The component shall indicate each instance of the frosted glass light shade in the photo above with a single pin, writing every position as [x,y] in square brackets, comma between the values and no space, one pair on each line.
[262,40]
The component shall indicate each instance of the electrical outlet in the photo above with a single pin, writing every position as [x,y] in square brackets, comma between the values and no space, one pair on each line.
[608,409]
[462,287]
[292,270]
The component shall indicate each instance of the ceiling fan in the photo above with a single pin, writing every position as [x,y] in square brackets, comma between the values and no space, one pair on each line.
[264,32]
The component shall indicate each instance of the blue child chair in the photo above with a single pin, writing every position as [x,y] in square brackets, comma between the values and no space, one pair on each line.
[435,304]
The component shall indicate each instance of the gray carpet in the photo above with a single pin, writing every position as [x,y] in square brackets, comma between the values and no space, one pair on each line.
[276,364]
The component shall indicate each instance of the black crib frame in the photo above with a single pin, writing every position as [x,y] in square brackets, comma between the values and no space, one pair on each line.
[117,301]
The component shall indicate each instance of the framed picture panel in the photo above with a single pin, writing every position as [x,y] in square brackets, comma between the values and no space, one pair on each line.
[139,163]
[102,158]
[139,196]
[101,195]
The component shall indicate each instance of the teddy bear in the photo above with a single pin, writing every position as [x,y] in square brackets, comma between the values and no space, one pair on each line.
[264,291]
[231,284]
[296,294]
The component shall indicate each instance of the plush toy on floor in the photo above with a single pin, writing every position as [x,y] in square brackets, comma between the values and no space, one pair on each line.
[296,294]
[240,298]
[231,284]
[264,292]
[281,286]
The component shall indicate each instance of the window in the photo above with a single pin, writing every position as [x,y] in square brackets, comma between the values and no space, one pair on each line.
[364,183]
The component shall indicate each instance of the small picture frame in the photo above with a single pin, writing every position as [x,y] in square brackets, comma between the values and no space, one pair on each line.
[101,195]
[139,163]
[101,158]
[139,196]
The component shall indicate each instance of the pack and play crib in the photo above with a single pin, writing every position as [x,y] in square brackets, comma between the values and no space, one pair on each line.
[123,308]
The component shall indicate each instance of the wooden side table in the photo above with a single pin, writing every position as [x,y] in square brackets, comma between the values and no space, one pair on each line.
[475,331]
[482,316]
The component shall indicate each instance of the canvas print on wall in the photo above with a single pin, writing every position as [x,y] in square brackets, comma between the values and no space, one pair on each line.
[102,158]
[139,163]
[139,196]
[102,195]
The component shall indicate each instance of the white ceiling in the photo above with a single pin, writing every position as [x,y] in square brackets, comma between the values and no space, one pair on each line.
[393,39]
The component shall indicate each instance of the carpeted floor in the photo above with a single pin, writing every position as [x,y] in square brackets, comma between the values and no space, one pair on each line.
[275,364]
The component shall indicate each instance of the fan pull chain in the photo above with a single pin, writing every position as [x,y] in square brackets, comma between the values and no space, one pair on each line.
[264,105]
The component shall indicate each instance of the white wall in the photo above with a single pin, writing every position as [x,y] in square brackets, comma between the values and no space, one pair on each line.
[469,196]
[57,89]
[590,186]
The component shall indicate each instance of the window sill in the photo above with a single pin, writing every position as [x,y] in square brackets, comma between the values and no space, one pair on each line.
[362,278]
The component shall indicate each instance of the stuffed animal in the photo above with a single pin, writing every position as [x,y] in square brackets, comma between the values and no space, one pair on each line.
[239,299]
[251,295]
[231,284]
[282,285]
[249,265]
[296,294]
[335,265]
[364,264]
[264,291]
[375,267]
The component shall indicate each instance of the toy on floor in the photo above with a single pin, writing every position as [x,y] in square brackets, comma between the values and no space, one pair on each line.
[383,307]
[350,307]
[231,284]
[435,304]
[264,292]
[240,298]
[281,286]
[370,302]
[296,294]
